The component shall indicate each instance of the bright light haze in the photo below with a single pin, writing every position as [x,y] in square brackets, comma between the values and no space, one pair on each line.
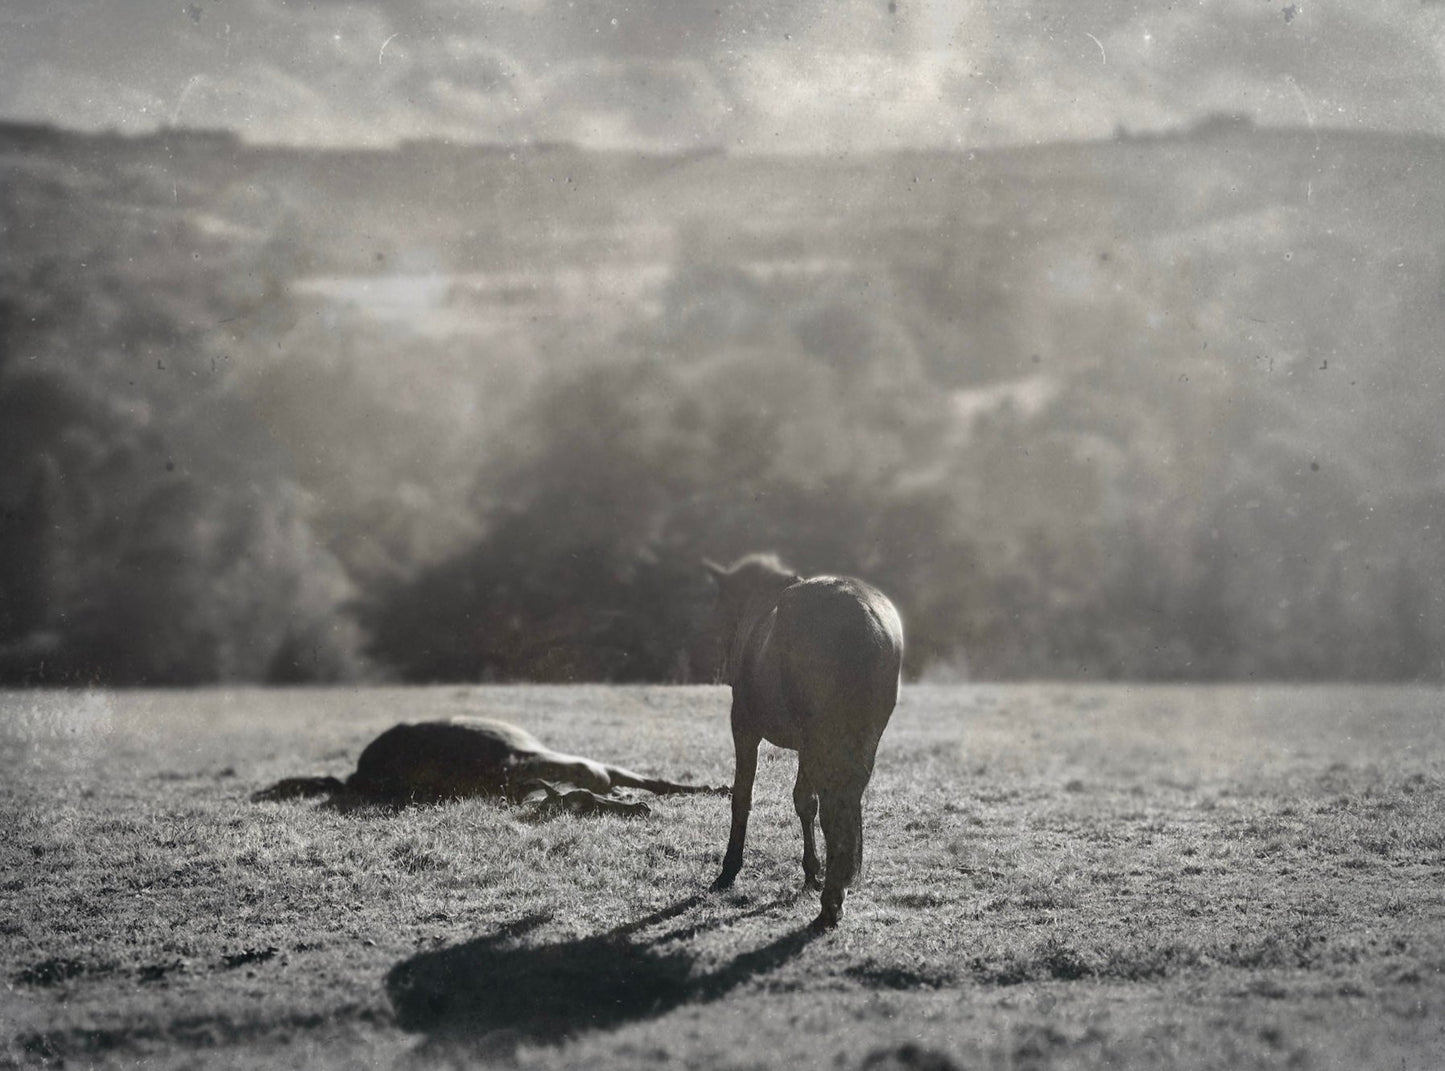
[754,75]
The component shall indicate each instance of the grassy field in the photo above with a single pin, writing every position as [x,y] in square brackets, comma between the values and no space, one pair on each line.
[1057,877]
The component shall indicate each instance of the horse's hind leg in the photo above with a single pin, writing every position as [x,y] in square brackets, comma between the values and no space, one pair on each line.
[294,788]
[805,802]
[841,813]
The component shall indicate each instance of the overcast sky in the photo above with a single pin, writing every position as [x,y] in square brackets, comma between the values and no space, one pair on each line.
[751,74]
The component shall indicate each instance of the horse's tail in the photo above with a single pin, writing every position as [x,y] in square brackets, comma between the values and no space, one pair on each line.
[295,788]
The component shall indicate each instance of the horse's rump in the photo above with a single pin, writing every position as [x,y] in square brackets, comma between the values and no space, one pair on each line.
[837,641]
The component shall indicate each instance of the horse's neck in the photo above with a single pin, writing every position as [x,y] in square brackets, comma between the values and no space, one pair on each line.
[750,631]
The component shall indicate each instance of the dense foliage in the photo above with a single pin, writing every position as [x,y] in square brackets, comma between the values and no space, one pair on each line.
[1077,421]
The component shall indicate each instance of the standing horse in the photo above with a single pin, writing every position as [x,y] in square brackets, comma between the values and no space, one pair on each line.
[814,667]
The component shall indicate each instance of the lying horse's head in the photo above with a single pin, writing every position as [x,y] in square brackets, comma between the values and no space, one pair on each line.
[747,591]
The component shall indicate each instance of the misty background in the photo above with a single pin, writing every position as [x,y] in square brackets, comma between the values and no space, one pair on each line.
[441,340]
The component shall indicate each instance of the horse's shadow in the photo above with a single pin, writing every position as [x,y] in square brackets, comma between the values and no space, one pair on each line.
[498,989]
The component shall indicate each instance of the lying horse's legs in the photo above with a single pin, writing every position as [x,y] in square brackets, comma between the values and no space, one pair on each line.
[805,802]
[746,748]
[550,800]
[556,766]
[622,778]
[841,812]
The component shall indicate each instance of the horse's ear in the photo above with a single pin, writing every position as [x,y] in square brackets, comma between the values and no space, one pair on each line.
[714,570]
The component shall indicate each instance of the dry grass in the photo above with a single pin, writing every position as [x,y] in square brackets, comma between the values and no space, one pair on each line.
[1058,877]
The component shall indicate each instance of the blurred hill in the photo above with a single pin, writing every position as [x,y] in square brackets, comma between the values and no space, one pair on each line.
[1158,407]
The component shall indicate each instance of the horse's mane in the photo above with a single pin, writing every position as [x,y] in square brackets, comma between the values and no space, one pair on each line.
[763,562]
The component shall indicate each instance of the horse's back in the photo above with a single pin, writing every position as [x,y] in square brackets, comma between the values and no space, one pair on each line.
[498,733]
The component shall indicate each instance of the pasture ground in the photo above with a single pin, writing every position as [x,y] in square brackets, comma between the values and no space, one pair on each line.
[1057,877]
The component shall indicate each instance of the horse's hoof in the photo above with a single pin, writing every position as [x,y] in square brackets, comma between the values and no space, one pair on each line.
[811,884]
[723,882]
[823,923]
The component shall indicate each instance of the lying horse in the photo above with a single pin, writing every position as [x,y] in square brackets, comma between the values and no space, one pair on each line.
[814,667]
[444,760]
